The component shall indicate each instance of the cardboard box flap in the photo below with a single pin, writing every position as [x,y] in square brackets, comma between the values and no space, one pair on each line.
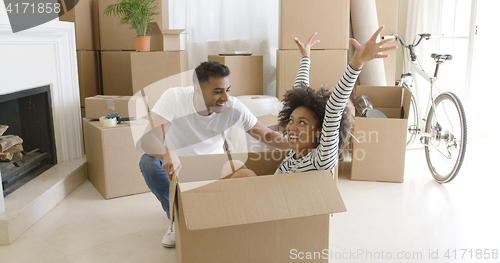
[172,31]
[221,203]
[382,96]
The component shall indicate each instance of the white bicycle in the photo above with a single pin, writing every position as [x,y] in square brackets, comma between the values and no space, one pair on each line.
[443,130]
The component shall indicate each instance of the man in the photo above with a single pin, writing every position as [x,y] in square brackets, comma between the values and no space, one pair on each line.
[191,121]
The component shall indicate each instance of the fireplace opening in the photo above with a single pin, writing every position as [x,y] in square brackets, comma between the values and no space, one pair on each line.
[28,115]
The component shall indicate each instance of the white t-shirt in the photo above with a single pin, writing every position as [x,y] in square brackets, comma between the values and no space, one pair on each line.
[193,134]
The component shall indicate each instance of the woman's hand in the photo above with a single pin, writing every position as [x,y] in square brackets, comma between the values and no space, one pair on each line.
[369,50]
[305,48]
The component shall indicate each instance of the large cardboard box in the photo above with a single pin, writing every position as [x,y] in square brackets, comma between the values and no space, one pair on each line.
[112,160]
[155,72]
[379,146]
[327,67]
[246,73]
[258,219]
[89,74]
[86,24]
[126,106]
[387,13]
[114,36]
[330,18]
[116,73]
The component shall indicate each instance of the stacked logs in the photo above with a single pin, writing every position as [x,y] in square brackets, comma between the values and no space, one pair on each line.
[10,146]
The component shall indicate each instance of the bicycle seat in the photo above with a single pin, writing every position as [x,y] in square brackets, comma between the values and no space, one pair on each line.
[441,57]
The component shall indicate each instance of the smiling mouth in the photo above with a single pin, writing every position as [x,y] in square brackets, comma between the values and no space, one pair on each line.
[293,138]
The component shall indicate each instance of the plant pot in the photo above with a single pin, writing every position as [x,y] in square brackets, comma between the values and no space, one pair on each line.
[142,43]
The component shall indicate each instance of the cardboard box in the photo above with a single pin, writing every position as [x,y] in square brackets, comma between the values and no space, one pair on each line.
[258,219]
[89,74]
[379,149]
[387,13]
[246,73]
[86,26]
[155,72]
[116,73]
[330,18]
[271,121]
[112,172]
[126,106]
[114,36]
[327,67]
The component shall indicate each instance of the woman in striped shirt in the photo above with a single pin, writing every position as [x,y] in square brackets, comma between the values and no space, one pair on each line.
[312,118]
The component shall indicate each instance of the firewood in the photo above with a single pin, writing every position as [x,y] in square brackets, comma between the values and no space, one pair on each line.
[8,141]
[6,157]
[13,152]
[3,128]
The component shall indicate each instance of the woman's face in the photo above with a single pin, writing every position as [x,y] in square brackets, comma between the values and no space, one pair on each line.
[303,131]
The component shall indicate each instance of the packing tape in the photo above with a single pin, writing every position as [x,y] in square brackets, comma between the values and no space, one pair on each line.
[105,122]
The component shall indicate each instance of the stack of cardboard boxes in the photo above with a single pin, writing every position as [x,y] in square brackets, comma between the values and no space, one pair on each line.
[126,72]
[108,64]
[330,19]
[87,46]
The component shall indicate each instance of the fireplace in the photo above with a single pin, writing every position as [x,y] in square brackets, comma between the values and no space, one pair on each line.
[37,57]
[28,114]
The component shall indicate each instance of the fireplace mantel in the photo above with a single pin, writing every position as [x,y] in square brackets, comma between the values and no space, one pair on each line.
[64,89]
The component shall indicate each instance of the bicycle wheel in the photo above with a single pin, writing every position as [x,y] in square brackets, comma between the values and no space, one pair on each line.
[446,137]
[413,122]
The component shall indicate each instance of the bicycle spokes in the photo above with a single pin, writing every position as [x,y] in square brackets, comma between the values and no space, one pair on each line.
[444,137]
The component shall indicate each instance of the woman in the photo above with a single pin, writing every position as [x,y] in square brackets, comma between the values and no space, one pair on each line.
[313,118]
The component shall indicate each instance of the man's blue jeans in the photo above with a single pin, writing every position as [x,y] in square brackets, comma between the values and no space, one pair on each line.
[156,179]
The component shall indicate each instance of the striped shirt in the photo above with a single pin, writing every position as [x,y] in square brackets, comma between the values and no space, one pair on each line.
[323,157]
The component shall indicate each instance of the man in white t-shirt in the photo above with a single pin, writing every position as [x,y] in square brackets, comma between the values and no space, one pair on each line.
[191,121]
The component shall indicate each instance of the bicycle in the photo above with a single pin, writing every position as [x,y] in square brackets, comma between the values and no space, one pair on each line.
[445,128]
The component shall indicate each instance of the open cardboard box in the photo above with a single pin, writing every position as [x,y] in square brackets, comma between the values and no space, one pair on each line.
[379,146]
[256,219]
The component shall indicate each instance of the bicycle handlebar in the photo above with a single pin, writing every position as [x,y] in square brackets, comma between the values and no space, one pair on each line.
[410,47]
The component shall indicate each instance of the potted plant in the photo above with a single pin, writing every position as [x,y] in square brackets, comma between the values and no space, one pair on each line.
[138,14]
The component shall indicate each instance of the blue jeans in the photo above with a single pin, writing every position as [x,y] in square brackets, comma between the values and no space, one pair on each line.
[156,179]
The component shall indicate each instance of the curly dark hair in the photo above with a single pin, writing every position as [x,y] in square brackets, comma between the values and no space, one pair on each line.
[315,100]
[302,95]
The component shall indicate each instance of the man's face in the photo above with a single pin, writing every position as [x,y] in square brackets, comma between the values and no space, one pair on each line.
[215,93]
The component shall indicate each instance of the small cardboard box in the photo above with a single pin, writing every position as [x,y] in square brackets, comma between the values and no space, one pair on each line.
[330,18]
[327,67]
[246,73]
[83,14]
[257,219]
[379,146]
[112,160]
[89,78]
[155,72]
[114,36]
[126,106]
